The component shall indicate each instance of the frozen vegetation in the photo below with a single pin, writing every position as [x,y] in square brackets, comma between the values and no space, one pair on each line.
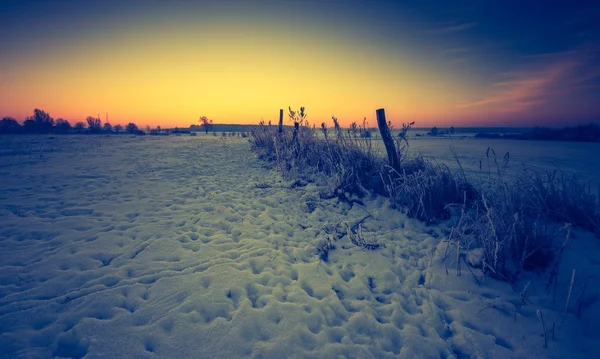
[192,247]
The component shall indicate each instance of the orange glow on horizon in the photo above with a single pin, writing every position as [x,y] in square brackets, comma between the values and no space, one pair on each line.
[172,72]
[171,78]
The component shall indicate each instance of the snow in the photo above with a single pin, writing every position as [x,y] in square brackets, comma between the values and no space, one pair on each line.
[177,247]
[569,157]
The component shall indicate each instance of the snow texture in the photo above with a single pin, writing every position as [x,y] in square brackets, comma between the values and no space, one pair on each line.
[190,247]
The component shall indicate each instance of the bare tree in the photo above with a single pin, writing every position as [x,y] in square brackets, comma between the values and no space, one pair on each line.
[9,125]
[40,122]
[94,123]
[206,123]
[107,127]
[79,127]
[131,128]
[62,126]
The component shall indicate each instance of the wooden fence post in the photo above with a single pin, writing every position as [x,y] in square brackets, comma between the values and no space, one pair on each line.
[388,141]
[296,138]
[281,120]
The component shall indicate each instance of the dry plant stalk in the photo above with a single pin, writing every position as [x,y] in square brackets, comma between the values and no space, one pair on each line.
[568,298]
[544,334]
[458,273]
[523,297]
[581,298]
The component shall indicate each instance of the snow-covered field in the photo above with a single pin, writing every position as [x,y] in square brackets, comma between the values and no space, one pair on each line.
[189,247]
[579,158]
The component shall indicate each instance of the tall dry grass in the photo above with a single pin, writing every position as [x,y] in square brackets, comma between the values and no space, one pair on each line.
[510,219]
[346,157]
[514,220]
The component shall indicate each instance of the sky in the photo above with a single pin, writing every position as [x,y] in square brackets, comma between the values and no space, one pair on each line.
[438,63]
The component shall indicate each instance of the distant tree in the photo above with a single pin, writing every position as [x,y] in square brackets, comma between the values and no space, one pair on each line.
[155,131]
[79,127]
[29,125]
[206,123]
[9,125]
[148,128]
[581,133]
[118,128]
[40,122]
[94,123]
[43,120]
[107,127]
[131,128]
[62,126]
[452,130]
[434,131]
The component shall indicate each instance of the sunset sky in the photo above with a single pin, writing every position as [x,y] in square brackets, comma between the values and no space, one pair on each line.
[471,63]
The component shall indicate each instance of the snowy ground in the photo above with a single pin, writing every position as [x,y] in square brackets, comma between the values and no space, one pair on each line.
[569,157]
[188,247]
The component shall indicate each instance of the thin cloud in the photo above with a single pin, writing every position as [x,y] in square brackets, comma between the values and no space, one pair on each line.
[555,78]
[449,29]
[457,50]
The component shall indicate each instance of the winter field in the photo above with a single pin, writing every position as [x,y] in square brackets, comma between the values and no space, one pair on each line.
[191,247]
[577,158]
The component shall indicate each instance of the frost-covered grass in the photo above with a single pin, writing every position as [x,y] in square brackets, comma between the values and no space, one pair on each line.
[189,247]
[507,217]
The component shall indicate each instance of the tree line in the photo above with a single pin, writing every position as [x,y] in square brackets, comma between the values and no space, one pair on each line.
[581,133]
[42,123]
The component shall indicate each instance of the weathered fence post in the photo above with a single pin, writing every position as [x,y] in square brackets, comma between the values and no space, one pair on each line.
[281,120]
[296,138]
[388,141]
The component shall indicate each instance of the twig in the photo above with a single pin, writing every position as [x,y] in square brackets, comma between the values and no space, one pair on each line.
[568,298]
[580,298]
[458,273]
[446,253]
[522,297]
[541,317]
[431,258]
[470,270]
[355,226]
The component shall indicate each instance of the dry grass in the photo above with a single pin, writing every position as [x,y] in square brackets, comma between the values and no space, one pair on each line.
[347,158]
[514,220]
[509,218]
[426,189]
